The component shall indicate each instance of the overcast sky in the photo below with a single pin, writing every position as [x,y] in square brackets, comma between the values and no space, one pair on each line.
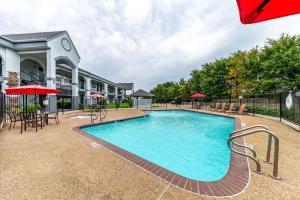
[143,41]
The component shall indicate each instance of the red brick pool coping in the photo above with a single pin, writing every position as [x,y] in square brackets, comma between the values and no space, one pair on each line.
[234,182]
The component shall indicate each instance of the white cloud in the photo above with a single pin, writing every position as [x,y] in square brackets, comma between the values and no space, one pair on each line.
[144,41]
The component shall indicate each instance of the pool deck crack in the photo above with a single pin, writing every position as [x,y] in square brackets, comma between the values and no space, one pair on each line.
[163,192]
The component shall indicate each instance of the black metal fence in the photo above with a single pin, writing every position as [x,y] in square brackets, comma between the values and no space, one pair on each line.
[17,103]
[264,104]
[273,105]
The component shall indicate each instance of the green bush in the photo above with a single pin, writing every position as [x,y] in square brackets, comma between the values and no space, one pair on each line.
[63,104]
[264,110]
[110,105]
[102,102]
[124,105]
[117,105]
[87,107]
[31,107]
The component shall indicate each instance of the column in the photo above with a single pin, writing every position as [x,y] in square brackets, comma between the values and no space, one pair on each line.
[88,90]
[75,99]
[106,92]
[116,93]
[51,77]
[123,94]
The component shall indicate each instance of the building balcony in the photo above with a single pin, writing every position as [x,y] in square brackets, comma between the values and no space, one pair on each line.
[29,78]
[63,86]
[95,90]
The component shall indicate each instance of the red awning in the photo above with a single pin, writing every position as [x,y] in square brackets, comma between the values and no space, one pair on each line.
[31,89]
[96,95]
[198,95]
[253,11]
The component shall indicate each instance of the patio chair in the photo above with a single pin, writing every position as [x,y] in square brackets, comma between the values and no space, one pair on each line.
[25,120]
[36,120]
[13,118]
[231,108]
[222,109]
[241,110]
[215,108]
[54,116]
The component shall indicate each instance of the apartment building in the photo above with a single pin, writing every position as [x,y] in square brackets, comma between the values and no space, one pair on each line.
[52,60]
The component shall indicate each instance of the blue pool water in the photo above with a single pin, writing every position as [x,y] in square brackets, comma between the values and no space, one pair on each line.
[188,143]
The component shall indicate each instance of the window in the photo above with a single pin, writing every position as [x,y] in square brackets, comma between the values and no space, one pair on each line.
[81,84]
[67,81]
[58,80]
[101,88]
[94,87]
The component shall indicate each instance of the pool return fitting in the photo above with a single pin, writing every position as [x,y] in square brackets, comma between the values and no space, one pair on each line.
[252,130]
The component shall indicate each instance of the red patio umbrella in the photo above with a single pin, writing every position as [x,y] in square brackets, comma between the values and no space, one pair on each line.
[96,95]
[198,95]
[253,11]
[31,89]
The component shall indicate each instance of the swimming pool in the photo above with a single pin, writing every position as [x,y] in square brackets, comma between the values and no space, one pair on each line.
[190,144]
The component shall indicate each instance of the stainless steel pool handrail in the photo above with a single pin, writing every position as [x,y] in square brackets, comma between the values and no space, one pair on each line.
[94,115]
[102,113]
[271,135]
[247,147]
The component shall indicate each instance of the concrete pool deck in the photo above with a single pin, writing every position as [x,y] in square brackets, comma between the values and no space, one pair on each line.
[58,163]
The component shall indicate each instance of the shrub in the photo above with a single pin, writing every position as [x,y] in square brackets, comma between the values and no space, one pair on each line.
[110,106]
[264,110]
[31,107]
[63,104]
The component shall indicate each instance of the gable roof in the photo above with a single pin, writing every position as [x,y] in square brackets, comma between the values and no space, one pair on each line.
[141,93]
[32,36]
[126,86]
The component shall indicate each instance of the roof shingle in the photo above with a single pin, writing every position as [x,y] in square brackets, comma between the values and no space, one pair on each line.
[126,86]
[141,93]
[32,36]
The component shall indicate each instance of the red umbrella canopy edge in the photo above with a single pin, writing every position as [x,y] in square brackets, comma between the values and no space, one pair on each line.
[31,89]
[198,95]
[253,11]
[97,95]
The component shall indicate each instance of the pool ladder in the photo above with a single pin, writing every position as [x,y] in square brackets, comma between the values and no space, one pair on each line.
[94,114]
[252,130]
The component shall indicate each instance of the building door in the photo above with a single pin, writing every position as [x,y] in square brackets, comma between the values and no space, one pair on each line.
[41,75]
[81,103]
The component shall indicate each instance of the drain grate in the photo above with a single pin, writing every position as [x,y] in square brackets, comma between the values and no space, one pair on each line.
[95,145]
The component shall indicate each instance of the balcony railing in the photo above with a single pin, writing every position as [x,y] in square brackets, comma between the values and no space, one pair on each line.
[29,78]
[63,86]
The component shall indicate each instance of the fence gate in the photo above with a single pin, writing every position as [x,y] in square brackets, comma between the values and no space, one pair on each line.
[142,103]
[290,107]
